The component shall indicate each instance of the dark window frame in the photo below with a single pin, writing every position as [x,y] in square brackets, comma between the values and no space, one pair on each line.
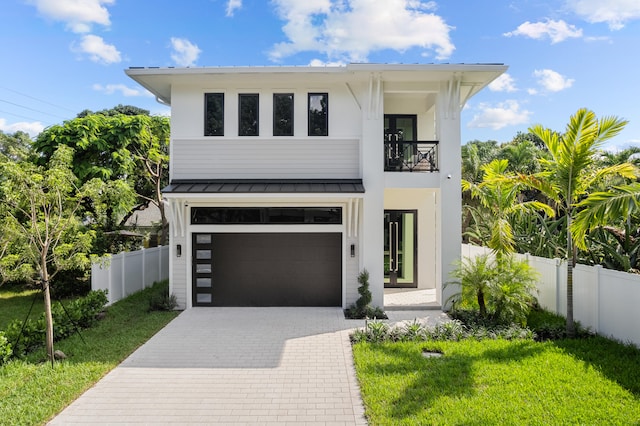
[311,120]
[266,216]
[210,130]
[256,124]
[276,119]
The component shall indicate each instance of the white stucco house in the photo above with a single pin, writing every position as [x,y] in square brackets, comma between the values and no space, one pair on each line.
[286,182]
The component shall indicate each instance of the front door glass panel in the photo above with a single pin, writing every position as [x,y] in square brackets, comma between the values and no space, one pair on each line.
[400,248]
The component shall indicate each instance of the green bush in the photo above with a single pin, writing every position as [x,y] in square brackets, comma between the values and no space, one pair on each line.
[77,314]
[501,291]
[379,331]
[160,299]
[5,349]
[362,308]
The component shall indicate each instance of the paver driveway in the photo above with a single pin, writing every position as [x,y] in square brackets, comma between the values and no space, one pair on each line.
[236,366]
[233,365]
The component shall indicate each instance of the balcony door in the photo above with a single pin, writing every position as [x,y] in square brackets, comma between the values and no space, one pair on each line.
[398,129]
[400,248]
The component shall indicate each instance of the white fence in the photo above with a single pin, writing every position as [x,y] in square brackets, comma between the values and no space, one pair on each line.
[128,272]
[605,301]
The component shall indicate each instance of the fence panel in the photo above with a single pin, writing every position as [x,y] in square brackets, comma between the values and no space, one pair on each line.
[605,301]
[125,273]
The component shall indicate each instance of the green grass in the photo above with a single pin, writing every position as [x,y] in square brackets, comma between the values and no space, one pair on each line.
[16,302]
[31,391]
[587,381]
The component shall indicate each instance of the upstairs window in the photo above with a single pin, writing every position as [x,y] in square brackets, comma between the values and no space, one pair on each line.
[283,114]
[248,114]
[318,114]
[214,114]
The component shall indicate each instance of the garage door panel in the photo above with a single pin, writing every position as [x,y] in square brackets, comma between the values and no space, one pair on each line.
[276,269]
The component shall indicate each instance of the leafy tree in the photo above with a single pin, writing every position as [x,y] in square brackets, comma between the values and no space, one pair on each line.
[569,173]
[499,195]
[522,156]
[118,109]
[41,233]
[129,149]
[15,146]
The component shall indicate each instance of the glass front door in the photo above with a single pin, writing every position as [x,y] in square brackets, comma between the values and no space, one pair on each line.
[400,248]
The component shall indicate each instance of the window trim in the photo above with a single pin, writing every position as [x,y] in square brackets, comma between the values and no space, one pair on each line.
[326,118]
[257,117]
[206,127]
[275,95]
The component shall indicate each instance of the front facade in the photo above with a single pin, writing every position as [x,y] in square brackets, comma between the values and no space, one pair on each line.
[286,182]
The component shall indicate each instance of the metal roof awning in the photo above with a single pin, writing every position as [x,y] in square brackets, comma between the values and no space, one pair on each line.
[265,186]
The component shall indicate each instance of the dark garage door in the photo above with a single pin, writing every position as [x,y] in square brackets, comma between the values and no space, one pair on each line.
[267,269]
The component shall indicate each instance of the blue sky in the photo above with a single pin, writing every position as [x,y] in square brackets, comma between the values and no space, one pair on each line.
[63,56]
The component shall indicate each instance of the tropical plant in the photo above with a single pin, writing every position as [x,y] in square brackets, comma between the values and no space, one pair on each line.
[501,289]
[499,193]
[569,173]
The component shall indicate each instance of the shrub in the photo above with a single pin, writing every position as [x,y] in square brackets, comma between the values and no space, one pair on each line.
[28,335]
[362,308]
[501,291]
[379,331]
[160,299]
[5,349]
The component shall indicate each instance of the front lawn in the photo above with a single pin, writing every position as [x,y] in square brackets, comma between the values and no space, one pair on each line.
[31,392]
[586,381]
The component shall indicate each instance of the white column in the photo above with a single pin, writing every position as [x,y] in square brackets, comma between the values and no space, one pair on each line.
[372,240]
[449,209]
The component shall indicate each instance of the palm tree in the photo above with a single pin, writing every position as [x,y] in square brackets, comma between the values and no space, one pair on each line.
[499,193]
[569,173]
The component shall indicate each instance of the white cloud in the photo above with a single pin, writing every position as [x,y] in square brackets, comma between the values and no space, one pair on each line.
[32,128]
[504,83]
[78,15]
[124,90]
[557,31]
[616,13]
[321,63]
[98,50]
[496,117]
[348,30]
[552,81]
[185,53]
[232,6]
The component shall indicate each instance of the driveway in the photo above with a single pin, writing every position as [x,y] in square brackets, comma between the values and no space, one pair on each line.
[234,366]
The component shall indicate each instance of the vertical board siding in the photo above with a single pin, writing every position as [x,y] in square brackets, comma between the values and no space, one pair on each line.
[126,273]
[604,301]
[212,158]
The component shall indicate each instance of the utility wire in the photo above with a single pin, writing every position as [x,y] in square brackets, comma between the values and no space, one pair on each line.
[21,116]
[32,109]
[37,99]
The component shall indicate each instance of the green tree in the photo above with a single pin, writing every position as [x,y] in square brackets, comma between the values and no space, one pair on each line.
[569,173]
[499,195]
[15,146]
[130,149]
[41,233]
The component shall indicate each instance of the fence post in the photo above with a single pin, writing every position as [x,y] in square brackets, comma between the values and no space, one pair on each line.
[558,264]
[596,307]
[110,284]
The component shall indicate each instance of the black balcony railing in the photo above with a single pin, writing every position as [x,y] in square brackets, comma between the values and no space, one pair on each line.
[411,156]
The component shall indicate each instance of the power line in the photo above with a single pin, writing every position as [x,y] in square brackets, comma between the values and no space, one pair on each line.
[36,99]
[32,109]
[18,115]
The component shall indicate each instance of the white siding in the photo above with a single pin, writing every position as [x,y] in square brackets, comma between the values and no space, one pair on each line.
[178,282]
[213,158]
[352,271]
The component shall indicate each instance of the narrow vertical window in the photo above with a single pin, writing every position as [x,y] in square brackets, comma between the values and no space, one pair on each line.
[318,114]
[283,114]
[248,115]
[214,114]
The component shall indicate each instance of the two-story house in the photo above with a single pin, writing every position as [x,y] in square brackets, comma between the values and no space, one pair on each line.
[286,182]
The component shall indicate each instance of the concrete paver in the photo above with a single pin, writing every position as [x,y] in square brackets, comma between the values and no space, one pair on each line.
[235,366]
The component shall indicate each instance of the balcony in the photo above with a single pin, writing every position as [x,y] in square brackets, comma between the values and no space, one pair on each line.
[410,156]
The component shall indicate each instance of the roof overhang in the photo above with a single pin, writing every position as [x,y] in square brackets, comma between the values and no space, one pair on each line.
[160,80]
[186,188]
